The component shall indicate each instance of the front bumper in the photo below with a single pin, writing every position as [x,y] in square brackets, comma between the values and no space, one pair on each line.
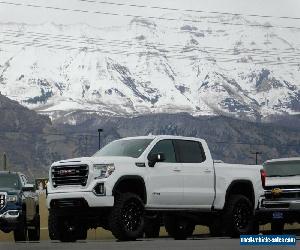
[10,216]
[9,220]
[89,197]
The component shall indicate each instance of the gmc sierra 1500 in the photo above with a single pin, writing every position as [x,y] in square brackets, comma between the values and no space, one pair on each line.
[130,178]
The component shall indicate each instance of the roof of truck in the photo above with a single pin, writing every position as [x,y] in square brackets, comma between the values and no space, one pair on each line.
[162,137]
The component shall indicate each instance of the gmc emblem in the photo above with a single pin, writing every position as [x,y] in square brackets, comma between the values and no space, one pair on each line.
[67,172]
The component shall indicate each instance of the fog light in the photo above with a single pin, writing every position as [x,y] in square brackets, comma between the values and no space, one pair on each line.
[13,212]
[99,189]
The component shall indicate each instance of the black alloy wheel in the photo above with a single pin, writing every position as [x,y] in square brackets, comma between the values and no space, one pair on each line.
[238,216]
[132,213]
[242,215]
[127,217]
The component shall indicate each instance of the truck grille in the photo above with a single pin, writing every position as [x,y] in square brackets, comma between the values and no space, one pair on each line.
[283,192]
[2,201]
[69,175]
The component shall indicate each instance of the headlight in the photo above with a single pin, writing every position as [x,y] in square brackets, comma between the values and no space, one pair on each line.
[12,198]
[104,170]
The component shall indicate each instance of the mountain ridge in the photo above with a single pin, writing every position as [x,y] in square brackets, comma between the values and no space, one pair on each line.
[148,66]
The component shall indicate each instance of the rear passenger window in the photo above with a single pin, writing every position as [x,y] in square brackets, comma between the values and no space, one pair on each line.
[166,147]
[190,151]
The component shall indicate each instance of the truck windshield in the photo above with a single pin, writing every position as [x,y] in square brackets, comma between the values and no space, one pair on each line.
[130,148]
[10,181]
[287,168]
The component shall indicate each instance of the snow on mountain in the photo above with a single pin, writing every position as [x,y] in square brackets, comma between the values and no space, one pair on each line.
[153,66]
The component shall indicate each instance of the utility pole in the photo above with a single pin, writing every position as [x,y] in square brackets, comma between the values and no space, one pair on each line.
[86,143]
[99,132]
[4,162]
[256,156]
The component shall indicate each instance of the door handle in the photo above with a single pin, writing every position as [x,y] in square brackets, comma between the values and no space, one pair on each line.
[176,169]
[207,171]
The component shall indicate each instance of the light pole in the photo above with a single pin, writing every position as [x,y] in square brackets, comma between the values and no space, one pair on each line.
[4,162]
[99,132]
[256,156]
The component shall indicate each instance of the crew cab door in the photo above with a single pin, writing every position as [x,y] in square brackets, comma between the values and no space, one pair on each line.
[197,173]
[164,180]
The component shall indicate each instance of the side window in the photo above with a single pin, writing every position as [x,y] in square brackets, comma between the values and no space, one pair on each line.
[166,147]
[190,151]
[23,180]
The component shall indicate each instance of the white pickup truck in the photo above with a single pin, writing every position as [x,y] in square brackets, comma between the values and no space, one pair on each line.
[131,178]
[281,202]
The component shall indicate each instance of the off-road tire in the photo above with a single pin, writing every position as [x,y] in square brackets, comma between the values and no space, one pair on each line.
[53,225]
[178,227]
[20,233]
[127,217]
[277,227]
[34,234]
[238,216]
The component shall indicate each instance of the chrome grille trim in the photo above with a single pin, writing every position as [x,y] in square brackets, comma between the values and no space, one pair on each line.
[2,200]
[69,175]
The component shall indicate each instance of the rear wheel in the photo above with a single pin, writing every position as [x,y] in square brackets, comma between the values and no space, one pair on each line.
[34,233]
[238,217]
[127,217]
[20,233]
[277,227]
[178,227]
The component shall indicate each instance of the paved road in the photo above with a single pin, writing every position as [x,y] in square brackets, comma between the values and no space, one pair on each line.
[157,244]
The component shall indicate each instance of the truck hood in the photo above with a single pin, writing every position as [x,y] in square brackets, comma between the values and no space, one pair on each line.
[283,181]
[96,160]
[9,191]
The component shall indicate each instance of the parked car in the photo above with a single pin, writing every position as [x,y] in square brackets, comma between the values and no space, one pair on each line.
[132,179]
[281,202]
[19,207]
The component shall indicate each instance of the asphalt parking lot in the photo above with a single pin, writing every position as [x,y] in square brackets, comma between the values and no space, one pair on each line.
[199,243]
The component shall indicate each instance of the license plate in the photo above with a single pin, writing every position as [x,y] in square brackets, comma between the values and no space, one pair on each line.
[277,215]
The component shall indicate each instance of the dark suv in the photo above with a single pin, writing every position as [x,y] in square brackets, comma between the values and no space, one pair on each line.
[19,207]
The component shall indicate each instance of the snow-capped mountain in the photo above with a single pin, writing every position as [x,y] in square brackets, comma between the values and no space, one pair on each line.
[203,67]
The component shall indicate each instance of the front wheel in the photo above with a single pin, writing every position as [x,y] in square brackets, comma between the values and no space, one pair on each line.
[53,225]
[20,233]
[238,217]
[127,217]
[34,233]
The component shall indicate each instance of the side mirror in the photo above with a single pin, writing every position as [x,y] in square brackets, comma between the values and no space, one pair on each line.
[153,158]
[28,188]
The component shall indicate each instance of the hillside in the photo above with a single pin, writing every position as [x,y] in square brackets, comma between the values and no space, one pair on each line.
[32,143]
[249,71]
